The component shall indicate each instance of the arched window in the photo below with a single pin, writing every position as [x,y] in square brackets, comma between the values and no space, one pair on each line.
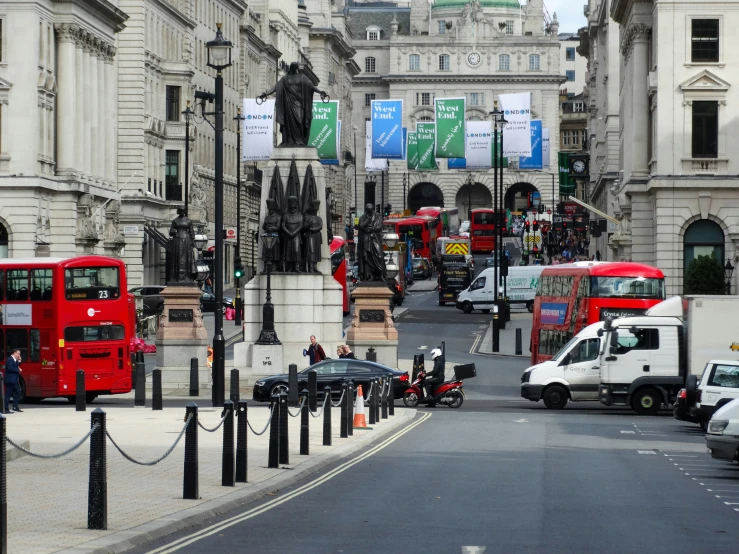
[373,33]
[425,118]
[414,62]
[3,241]
[444,64]
[369,65]
[534,62]
[703,238]
[504,62]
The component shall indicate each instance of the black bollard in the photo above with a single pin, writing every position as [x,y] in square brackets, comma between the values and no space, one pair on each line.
[416,362]
[385,388]
[3,487]
[313,390]
[304,429]
[194,380]
[519,342]
[140,394]
[156,393]
[293,392]
[97,489]
[327,416]
[391,398]
[496,333]
[2,394]
[235,386]
[378,391]
[242,438]
[344,415]
[371,399]
[228,467]
[421,366]
[350,412]
[190,488]
[274,431]
[80,399]
[284,445]
[371,355]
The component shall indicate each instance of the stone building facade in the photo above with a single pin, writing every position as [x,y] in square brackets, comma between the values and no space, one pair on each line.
[453,48]
[678,195]
[572,65]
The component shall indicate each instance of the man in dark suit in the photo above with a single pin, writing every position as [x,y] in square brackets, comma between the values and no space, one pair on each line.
[11,377]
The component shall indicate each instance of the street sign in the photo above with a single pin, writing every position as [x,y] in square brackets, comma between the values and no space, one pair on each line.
[230,233]
[130,230]
[549,212]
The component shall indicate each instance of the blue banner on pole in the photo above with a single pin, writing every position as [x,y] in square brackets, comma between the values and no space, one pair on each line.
[387,129]
[535,161]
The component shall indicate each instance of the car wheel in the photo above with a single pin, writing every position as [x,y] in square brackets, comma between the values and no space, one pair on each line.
[691,386]
[467,307]
[278,389]
[646,401]
[441,303]
[530,306]
[555,397]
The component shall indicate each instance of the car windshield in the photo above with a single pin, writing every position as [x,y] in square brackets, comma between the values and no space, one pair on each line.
[564,349]
[417,262]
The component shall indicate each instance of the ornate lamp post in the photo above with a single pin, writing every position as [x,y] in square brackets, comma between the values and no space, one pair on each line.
[498,121]
[728,272]
[268,335]
[239,268]
[188,113]
[253,227]
[219,58]
[201,239]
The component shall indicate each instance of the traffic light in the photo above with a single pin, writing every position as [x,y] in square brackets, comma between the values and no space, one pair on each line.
[238,269]
[542,207]
[387,210]
[524,212]
[536,226]
[504,265]
[528,226]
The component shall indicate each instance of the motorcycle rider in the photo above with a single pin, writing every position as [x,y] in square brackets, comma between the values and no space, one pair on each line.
[436,375]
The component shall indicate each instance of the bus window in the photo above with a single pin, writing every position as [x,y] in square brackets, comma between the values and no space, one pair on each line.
[2,286]
[17,338]
[17,284]
[35,346]
[483,218]
[2,347]
[627,287]
[92,283]
[41,284]
[336,258]
[91,333]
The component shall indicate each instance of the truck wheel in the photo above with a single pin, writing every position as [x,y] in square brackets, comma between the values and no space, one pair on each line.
[467,307]
[555,397]
[530,306]
[646,401]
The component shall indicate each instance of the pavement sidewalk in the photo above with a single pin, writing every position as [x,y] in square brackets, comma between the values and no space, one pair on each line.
[507,341]
[47,499]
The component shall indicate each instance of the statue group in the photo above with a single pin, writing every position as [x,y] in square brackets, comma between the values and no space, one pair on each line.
[299,236]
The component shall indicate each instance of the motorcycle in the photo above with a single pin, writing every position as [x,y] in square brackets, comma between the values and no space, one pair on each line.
[449,393]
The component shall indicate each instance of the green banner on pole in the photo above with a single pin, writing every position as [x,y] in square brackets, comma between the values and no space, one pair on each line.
[450,127]
[324,130]
[426,137]
[566,184]
[500,152]
[412,151]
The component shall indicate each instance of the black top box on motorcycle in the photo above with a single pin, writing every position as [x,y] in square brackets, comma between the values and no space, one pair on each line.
[466,371]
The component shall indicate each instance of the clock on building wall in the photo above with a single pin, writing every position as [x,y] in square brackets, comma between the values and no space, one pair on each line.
[474,59]
[578,165]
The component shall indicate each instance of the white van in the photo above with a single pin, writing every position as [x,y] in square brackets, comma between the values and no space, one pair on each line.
[722,439]
[521,286]
[573,373]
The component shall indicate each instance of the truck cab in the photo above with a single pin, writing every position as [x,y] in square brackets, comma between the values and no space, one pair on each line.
[573,374]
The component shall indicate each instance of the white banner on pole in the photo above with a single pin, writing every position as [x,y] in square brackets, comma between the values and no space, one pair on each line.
[479,146]
[257,130]
[545,148]
[517,134]
[370,163]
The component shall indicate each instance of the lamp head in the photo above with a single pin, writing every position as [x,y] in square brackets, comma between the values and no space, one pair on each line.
[219,51]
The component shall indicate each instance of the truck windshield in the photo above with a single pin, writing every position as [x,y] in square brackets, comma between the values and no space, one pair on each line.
[627,287]
[564,349]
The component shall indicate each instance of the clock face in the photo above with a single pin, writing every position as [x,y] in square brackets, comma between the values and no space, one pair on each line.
[473,58]
[579,166]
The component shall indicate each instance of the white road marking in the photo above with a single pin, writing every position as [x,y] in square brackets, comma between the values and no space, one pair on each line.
[424,347]
[521,420]
[628,432]
[473,549]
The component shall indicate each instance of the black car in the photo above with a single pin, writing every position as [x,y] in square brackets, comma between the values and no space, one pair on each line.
[421,268]
[208,302]
[153,299]
[333,373]
[682,410]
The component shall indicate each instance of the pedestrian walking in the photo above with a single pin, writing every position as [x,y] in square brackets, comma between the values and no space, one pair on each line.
[315,351]
[340,351]
[348,352]
[10,378]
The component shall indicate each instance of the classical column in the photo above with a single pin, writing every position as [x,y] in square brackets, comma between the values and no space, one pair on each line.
[79,105]
[636,47]
[105,112]
[112,102]
[87,114]
[65,114]
[95,109]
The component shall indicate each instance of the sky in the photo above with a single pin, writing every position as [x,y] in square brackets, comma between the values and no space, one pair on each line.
[569,14]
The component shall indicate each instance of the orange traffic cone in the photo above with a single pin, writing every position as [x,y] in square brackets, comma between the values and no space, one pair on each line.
[359,421]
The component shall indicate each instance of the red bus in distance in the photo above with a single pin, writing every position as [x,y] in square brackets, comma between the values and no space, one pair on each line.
[339,268]
[447,220]
[482,230]
[570,297]
[420,230]
[65,315]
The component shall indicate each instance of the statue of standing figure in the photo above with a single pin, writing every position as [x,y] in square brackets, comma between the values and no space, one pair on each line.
[313,237]
[371,257]
[182,262]
[272,225]
[292,226]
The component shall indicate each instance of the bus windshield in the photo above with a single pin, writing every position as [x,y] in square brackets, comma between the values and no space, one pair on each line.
[336,258]
[627,287]
[483,218]
[88,283]
[412,232]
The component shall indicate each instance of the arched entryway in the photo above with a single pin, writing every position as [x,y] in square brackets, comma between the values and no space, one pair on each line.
[703,238]
[424,194]
[516,197]
[3,241]
[470,197]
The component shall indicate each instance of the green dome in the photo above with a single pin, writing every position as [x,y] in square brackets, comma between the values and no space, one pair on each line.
[512,4]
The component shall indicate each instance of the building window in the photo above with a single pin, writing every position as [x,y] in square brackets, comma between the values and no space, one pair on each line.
[173,103]
[172,176]
[423,98]
[705,129]
[414,62]
[476,98]
[444,62]
[534,62]
[570,74]
[704,40]
[425,118]
[368,98]
[504,62]
[369,65]
[509,27]
[566,138]
[703,238]
[3,252]
[2,35]
[584,137]
[570,54]
[578,107]
[442,27]
[373,33]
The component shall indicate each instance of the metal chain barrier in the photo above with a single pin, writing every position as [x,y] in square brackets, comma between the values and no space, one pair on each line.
[204,428]
[271,412]
[339,402]
[318,414]
[61,454]
[369,394]
[302,402]
[167,453]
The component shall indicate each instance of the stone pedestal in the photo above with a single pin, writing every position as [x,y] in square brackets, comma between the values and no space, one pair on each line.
[372,325]
[266,359]
[182,336]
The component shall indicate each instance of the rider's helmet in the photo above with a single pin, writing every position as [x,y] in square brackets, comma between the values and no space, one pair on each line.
[435,353]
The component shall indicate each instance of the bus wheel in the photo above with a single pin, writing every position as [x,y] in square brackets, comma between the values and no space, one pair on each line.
[90,397]
[467,307]
[22,384]
[441,303]
[646,401]
[555,397]
[530,306]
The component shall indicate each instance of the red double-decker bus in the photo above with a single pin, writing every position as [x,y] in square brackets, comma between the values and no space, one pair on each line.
[447,220]
[420,231]
[570,297]
[339,268]
[65,315]
[482,230]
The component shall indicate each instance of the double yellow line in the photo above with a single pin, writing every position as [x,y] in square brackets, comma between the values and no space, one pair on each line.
[218,527]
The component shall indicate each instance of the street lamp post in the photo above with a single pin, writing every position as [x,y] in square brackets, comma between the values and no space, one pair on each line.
[188,113]
[237,263]
[219,58]
[253,227]
[728,272]
[268,335]
[498,120]
[405,194]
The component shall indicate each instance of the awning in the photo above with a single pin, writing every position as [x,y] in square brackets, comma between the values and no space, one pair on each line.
[157,237]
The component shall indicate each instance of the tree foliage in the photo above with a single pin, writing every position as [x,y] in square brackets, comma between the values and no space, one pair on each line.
[705,275]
